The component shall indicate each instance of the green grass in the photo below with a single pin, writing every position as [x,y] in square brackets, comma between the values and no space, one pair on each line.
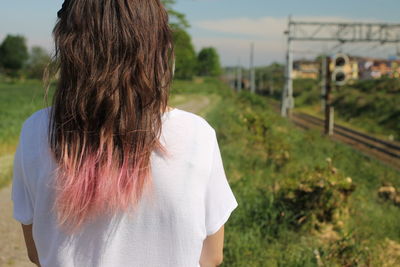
[18,100]
[261,151]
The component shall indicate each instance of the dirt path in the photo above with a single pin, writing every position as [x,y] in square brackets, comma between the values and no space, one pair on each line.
[12,248]
[197,105]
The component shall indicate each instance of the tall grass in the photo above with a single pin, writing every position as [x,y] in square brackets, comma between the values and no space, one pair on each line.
[265,156]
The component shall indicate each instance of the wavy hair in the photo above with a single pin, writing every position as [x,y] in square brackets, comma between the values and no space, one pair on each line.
[115,62]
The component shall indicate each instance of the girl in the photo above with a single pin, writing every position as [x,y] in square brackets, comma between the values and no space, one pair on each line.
[109,175]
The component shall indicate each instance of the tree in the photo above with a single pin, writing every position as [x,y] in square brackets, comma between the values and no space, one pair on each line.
[13,54]
[38,61]
[177,19]
[185,55]
[208,62]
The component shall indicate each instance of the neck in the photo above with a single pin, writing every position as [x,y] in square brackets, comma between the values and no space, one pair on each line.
[168,109]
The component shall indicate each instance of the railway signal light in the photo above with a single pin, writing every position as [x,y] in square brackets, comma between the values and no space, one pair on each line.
[339,75]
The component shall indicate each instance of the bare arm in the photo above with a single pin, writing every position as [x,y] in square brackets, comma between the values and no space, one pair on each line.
[30,244]
[212,252]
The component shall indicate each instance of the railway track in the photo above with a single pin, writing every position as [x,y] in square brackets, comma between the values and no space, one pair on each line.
[388,152]
[385,151]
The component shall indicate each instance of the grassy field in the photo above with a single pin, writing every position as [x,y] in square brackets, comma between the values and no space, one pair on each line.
[18,100]
[303,200]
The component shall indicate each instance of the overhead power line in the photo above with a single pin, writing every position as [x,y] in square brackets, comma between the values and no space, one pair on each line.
[341,32]
[344,32]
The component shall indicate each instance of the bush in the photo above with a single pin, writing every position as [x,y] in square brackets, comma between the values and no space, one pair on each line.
[318,196]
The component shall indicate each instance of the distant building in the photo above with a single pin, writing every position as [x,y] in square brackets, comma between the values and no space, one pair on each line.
[305,69]
[374,68]
[358,68]
[380,68]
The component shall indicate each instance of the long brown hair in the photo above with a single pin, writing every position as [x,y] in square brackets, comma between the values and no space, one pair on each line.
[115,65]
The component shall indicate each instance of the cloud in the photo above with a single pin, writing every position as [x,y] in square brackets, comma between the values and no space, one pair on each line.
[268,27]
[232,50]
[236,34]
[262,27]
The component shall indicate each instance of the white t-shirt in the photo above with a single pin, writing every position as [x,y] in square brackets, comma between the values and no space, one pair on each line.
[191,199]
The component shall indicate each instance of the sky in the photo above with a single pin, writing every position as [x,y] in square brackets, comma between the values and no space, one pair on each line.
[228,25]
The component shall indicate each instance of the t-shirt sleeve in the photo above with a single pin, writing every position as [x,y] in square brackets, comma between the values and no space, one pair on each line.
[220,201]
[23,207]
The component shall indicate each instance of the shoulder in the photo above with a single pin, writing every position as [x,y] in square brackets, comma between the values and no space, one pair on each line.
[36,122]
[37,116]
[193,121]
[186,131]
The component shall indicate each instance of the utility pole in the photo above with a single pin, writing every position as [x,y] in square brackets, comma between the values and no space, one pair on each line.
[239,77]
[271,85]
[329,110]
[324,81]
[233,78]
[260,81]
[287,95]
[252,70]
